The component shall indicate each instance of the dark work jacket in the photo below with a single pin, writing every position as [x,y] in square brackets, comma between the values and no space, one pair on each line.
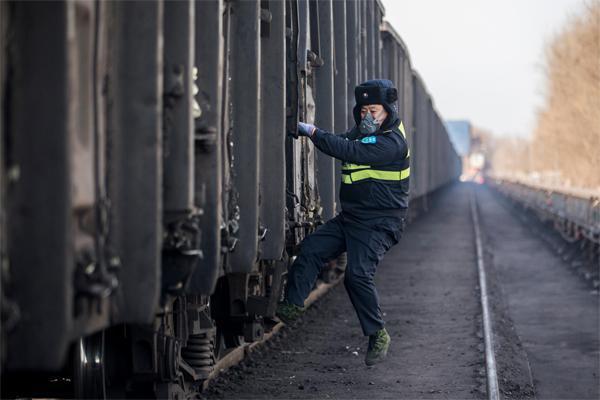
[370,199]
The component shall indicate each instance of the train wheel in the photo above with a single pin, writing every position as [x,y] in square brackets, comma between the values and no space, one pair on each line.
[220,348]
[89,368]
[232,340]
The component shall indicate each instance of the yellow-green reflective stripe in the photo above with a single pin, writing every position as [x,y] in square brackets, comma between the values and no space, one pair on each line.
[401,127]
[382,175]
[348,167]
[405,173]
[376,174]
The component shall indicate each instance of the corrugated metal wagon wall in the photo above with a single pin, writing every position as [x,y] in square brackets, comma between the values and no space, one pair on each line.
[59,201]
[397,68]
[153,192]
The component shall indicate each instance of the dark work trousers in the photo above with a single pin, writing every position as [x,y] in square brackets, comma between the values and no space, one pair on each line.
[365,245]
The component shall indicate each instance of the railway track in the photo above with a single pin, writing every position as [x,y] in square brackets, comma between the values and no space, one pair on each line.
[553,311]
[493,391]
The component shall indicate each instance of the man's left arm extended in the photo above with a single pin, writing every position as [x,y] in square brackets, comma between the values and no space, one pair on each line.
[382,151]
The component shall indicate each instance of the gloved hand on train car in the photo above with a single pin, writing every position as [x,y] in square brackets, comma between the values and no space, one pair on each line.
[305,129]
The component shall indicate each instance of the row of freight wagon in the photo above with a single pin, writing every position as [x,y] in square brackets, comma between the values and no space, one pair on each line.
[152,196]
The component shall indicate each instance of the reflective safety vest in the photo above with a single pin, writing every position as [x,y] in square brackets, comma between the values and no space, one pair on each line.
[396,171]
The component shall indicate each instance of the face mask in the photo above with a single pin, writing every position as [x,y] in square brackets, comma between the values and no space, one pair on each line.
[368,126]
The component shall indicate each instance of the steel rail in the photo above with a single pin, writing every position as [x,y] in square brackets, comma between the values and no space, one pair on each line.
[493,391]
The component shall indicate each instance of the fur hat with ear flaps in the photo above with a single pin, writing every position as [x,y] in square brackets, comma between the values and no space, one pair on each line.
[377,91]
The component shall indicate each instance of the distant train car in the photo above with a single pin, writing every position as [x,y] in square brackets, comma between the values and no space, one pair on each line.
[152,194]
[434,161]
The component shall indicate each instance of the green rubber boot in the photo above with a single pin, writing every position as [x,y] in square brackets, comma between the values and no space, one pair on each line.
[288,313]
[379,343]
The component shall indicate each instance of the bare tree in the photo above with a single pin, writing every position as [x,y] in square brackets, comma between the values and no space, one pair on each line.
[566,140]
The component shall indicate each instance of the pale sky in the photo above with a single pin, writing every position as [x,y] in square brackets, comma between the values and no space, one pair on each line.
[482,60]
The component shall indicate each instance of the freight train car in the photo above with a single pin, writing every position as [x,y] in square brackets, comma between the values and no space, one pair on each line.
[434,161]
[153,195]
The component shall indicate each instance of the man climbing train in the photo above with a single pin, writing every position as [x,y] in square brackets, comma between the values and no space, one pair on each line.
[374,199]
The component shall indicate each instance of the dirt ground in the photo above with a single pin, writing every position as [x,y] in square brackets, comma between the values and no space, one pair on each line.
[555,312]
[428,287]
